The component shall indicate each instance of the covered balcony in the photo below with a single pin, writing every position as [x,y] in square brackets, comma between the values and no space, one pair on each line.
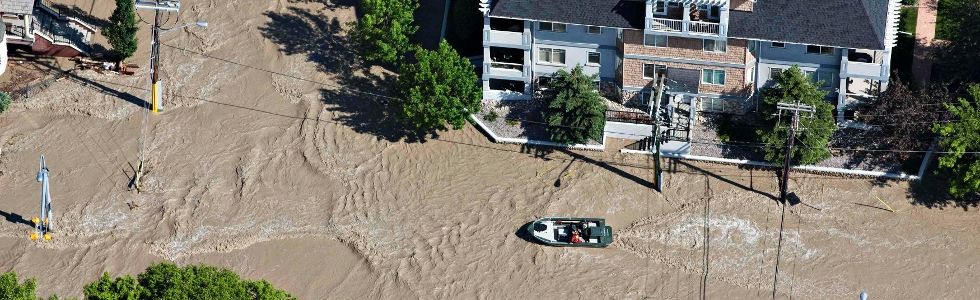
[508,62]
[507,32]
[691,17]
[867,64]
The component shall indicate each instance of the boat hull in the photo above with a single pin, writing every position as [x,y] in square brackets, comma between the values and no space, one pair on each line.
[556,232]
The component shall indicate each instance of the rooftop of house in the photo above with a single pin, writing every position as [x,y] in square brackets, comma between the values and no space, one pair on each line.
[859,24]
[605,13]
[840,23]
[20,7]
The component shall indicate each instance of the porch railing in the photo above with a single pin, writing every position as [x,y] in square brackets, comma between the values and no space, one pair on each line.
[508,66]
[703,27]
[628,117]
[663,24]
[696,27]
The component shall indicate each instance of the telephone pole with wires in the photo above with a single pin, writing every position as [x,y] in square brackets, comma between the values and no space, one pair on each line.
[157,6]
[655,116]
[795,109]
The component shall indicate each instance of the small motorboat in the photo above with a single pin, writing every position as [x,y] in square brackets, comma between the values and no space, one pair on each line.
[560,231]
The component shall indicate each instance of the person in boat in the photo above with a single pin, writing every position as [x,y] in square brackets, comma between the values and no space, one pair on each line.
[577,237]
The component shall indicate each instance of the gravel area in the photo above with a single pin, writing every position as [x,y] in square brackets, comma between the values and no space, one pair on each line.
[707,143]
[517,119]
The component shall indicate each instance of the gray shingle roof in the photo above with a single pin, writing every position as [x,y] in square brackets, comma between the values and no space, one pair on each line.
[606,13]
[840,23]
[22,7]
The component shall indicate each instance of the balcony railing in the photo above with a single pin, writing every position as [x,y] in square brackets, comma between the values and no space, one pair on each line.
[862,69]
[694,27]
[703,27]
[508,66]
[670,25]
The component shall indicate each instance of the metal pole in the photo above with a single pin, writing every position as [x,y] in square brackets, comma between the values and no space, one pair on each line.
[155,65]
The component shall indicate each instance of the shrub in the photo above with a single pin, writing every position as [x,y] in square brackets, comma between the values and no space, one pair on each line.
[492,116]
[4,101]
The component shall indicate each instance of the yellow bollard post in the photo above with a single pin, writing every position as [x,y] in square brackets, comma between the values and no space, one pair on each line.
[155,97]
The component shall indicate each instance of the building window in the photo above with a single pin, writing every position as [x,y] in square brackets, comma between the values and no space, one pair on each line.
[651,70]
[554,56]
[543,82]
[711,76]
[715,45]
[655,40]
[713,104]
[774,72]
[824,78]
[778,45]
[819,50]
[594,58]
[553,27]
[593,29]
[660,8]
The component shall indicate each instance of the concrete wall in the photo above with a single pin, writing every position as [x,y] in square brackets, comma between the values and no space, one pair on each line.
[628,131]
[577,43]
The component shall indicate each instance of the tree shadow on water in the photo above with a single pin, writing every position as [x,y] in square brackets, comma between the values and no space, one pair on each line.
[931,192]
[322,39]
[365,113]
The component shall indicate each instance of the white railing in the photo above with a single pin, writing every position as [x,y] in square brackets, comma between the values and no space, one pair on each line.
[662,24]
[703,27]
[854,68]
[508,66]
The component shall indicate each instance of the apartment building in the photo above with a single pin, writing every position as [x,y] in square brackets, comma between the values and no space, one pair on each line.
[716,54]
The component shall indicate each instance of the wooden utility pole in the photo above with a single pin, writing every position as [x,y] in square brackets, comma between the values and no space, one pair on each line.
[795,108]
[655,117]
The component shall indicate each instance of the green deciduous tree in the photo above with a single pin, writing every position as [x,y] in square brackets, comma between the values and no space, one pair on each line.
[958,60]
[384,30]
[958,137]
[11,289]
[574,112]
[167,281]
[122,29]
[107,288]
[812,143]
[4,101]
[439,88]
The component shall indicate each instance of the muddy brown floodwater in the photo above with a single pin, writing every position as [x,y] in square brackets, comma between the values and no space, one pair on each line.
[266,161]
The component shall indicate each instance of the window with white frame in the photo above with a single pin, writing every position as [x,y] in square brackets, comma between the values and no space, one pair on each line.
[549,55]
[819,50]
[774,72]
[652,70]
[778,45]
[824,78]
[593,29]
[553,27]
[711,11]
[713,76]
[655,40]
[713,104]
[594,58]
[715,45]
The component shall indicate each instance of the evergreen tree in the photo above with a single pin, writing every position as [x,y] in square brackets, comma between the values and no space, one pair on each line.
[122,29]
[812,143]
[4,101]
[383,32]
[958,137]
[439,88]
[575,113]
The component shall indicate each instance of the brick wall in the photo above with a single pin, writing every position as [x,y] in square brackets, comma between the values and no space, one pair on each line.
[742,5]
[684,48]
[734,77]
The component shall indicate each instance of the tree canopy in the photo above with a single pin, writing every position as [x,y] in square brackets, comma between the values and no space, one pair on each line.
[121,32]
[898,116]
[958,58]
[811,146]
[958,137]
[574,111]
[12,290]
[384,31]
[439,88]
